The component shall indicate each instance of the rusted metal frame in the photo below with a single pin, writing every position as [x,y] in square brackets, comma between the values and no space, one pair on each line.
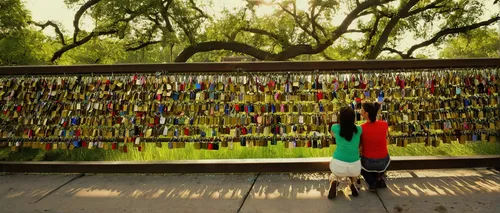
[253,66]
[240,166]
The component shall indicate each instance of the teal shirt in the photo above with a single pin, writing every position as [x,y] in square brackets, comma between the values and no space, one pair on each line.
[346,151]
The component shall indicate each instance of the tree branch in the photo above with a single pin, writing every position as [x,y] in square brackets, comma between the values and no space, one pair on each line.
[221,45]
[389,27]
[392,50]
[432,5]
[299,22]
[342,28]
[165,15]
[290,52]
[297,50]
[449,31]
[372,34]
[79,15]
[357,31]
[184,29]
[193,5]
[145,44]
[52,24]
[314,17]
[274,36]
[86,39]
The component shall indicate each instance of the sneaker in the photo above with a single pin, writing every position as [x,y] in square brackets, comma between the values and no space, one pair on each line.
[332,193]
[354,190]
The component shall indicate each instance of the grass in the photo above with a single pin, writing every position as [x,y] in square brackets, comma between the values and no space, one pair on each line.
[152,153]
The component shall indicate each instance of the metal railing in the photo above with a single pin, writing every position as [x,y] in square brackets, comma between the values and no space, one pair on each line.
[246,165]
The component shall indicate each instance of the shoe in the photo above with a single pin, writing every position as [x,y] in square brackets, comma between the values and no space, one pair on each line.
[354,190]
[381,184]
[373,188]
[332,193]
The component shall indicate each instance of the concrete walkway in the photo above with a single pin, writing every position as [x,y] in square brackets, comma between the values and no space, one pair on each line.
[463,190]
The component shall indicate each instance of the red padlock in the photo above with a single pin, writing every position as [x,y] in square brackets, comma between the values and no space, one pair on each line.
[320,95]
[183,85]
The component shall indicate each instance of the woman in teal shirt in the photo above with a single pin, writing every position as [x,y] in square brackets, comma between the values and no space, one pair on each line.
[345,162]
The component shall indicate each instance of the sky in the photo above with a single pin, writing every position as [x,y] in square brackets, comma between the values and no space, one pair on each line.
[56,10]
[42,10]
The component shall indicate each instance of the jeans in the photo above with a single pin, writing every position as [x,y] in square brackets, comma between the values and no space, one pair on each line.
[373,169]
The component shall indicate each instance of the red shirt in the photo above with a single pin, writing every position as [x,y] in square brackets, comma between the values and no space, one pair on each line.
[374,139]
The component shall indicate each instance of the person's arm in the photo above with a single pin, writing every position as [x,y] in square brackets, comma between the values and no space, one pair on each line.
[361,143]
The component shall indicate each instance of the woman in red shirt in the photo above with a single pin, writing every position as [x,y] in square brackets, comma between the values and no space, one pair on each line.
[374,155]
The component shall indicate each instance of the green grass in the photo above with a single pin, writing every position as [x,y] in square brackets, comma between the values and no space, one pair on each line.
[152,153]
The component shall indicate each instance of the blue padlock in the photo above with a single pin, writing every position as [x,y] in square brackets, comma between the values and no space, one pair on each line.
[161,108]
[226,109]
[243,141]
[175,96]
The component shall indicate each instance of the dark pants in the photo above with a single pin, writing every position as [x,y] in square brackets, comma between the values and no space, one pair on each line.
[373,169]
[371,177]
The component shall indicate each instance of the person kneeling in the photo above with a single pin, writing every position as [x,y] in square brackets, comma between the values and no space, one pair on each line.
[374,155]
[345,162]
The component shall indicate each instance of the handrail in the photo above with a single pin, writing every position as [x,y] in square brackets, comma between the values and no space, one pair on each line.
[254,66]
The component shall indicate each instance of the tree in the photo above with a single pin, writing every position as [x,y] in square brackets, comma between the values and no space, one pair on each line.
[25,47]
[19,44]
[142,23]
[480,43]
[13,17]
[183,28]
[388,22]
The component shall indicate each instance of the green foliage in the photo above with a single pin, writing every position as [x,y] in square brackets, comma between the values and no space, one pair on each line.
[25,47]
[19,44]
[481,43]
[152,153]
[160,30]
[95,51]
[13,17]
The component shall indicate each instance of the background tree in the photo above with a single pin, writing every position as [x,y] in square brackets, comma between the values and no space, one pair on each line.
[481,43]
[185,30]
[20,44]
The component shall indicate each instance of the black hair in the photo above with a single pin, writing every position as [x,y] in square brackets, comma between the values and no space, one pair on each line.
[372,110]
[347,126]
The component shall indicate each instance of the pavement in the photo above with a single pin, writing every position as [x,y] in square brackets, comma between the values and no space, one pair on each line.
[420,191]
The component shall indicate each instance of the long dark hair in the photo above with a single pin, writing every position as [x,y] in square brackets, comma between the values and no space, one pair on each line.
[347,126]
[372,110]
